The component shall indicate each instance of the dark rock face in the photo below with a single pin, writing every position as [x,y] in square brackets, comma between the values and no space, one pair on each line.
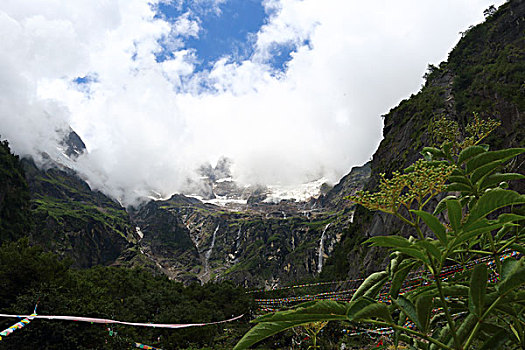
[74,145]
[254,248]
[166,241]
[348,185]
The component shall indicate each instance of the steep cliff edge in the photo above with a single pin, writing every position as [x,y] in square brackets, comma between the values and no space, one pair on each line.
[484,74]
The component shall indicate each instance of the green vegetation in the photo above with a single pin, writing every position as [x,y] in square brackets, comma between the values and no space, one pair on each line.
[496,71]
[465,311]
[61,210]
[28,275]
[15,217]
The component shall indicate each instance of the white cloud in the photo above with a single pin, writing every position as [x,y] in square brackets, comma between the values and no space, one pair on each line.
[148,125]
[186,26]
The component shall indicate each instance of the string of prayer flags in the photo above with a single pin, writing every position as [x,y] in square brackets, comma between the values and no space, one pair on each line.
[108,321]
[18,325]
[143,346]
[416,279]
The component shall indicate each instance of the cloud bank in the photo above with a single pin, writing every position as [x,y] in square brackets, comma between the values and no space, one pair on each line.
[149,125]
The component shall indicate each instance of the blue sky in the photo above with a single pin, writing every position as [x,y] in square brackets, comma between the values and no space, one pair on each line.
[228,31]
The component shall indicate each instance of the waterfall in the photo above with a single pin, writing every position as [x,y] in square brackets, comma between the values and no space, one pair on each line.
[238,240]
[284,214]
[320,256]
[208,253]
[139,232]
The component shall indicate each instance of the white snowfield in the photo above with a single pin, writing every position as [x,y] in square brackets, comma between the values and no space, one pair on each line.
[275,193]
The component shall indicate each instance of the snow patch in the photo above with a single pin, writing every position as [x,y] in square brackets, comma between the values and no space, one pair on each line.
[301,193]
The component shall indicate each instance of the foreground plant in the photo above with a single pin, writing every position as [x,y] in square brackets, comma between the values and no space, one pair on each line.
[462,311]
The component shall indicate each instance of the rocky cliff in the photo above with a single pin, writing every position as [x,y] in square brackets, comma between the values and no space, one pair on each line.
[261,246]
[249,239]
[484,74]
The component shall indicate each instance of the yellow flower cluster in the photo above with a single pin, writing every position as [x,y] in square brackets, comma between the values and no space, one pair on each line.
[424,181]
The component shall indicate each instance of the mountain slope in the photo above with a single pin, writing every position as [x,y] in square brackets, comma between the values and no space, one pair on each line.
[484,74]
[15,217]
[75,221]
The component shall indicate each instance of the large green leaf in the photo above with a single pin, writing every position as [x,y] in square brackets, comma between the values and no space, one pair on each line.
[262,331]
[371,281]
[484,225]
[377,310]
[389,241]
[469,152]
[424,306]
[430,248]
[462,179]
[454,214]
[491,156]
[458,187]
[513,276]
[492,200]
[373,291]
[495,179]
[409,309]
[477,290]
[484,170]
[415,253]
[358,305]
[400,275]
[434,224]
[496,341]
[508,267]
[322,310]
[442,205]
